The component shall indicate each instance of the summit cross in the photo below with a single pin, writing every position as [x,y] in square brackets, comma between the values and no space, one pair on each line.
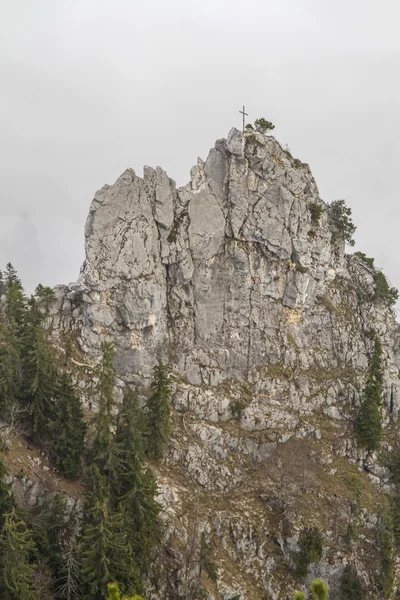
[242,112]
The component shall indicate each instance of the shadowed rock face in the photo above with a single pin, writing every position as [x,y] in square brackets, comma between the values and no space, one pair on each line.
[266,326]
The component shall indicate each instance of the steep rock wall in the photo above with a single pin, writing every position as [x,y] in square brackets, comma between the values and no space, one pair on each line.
[266,325]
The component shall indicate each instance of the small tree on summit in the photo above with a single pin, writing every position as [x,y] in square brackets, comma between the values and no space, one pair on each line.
[159,414]
[263,125]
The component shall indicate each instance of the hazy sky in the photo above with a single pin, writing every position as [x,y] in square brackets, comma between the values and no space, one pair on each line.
[91,87]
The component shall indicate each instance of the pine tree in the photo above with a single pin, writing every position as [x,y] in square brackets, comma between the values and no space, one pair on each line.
[102,448]
[104,553]
[368,424]
[68,428]
[39,378]
[135,489]
[17,549]
[158,412]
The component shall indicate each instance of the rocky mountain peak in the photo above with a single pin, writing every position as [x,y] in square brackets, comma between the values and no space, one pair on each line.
[239,281]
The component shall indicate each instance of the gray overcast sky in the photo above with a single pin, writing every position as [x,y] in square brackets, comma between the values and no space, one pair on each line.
[91,87]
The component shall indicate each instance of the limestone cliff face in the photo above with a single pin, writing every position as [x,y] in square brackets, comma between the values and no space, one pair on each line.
[266,326]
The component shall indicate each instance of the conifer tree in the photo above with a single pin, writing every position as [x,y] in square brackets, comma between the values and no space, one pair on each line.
[2,284]
[11,276]
[104,553]
[45,298]
[17,550]
[102,448]
[15,301]
[386,544]
[351,587]
[7,500]
[368,424]
[158,412]
[114,593]
[10,369]
[68,429]
[69,581]
[39,376]
[319,589]
[135,488]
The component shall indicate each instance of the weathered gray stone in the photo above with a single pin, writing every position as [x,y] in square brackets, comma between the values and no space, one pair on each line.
[263,321]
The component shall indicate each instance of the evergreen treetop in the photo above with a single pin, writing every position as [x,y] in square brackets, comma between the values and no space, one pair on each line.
[39,374]
[102,447]
[17,551]
[135,487]
[105,556]
[158,412]
[69,429]
[7,499]
[368,426]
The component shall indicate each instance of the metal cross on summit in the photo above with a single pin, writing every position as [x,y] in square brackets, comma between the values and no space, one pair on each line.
[244,116]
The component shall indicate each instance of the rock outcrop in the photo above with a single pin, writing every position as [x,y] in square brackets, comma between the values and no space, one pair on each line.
[244,289]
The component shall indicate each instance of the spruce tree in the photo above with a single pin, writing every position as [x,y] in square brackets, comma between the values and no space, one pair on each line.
[2,284]
[105,556]
[39,378]
[158,412]
[17,551]
[368,424]
[7,500]
[10,369]
[102,448]
[69,584]
[135,489]
[11,276]
[68,428]
[15,301]
[386,545]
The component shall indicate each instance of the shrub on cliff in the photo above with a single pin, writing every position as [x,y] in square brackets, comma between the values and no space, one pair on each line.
[351,587]
[383,291]
[311,547]
[341,221]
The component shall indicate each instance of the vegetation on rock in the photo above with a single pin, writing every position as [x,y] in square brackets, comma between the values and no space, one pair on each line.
[158,418]
[368,425]
[311,548]
[341,221]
